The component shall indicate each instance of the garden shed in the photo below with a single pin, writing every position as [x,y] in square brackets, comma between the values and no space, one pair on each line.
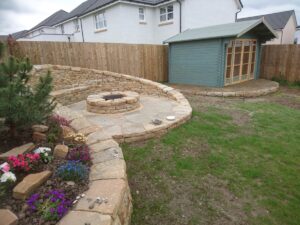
[220,55]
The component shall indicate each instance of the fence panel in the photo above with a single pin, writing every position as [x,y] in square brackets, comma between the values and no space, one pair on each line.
[147,61]
[281,62]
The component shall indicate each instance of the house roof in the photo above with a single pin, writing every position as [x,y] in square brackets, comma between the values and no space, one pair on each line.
[226,30]
[52,20]
[19,34]
[276,20]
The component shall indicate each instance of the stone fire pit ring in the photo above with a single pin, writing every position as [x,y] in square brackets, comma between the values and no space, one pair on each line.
[113,102]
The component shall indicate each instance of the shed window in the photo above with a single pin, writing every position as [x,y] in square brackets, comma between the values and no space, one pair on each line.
[166,13]
[240,61]
[100,21]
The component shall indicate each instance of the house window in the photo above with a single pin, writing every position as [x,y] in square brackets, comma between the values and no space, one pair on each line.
[100,21]
[142,14]
[166,13]
[62,28]
[76,25]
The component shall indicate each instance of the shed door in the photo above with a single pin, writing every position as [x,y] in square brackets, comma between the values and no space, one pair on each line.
[240,61]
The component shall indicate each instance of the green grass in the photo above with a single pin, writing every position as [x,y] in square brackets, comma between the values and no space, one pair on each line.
[258,162]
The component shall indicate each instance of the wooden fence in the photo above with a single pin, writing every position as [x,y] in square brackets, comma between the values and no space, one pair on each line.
[147,61]
[281,62]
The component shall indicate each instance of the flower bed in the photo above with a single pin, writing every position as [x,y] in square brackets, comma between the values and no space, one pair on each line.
[48,202]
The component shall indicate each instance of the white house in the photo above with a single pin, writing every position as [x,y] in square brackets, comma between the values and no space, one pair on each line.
[133,21]
[284,23]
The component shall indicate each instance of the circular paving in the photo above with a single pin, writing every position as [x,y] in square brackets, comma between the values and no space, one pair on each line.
[113,102]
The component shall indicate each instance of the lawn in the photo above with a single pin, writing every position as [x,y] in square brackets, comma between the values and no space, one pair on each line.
[235,162]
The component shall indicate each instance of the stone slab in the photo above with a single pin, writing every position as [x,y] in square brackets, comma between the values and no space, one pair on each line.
[83,217]
[18,150]
[29,184]
[88,130]
[103,145]
[80,123]
[107,155]
[7,217]
[113,169]
[113,190]
[97,137]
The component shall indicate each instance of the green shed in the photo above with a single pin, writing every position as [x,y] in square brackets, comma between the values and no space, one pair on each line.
[220,55]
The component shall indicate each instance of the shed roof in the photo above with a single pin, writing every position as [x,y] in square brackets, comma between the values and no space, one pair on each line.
[277,20]
[238,29]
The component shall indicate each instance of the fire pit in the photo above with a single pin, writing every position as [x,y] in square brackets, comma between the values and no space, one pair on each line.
[113,102]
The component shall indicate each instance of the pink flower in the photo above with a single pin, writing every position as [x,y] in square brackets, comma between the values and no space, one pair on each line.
[5,167]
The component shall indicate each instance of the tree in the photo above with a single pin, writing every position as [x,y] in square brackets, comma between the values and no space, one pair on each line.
[20,104]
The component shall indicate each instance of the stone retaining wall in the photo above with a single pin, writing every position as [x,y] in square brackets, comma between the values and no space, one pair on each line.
[108,178]
[73,84]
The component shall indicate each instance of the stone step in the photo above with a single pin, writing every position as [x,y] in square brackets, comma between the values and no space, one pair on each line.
[29,184]
[18,150]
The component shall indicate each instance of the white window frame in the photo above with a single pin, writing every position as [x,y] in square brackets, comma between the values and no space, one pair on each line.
[166,13]
[76,25]
[142,14]
[100,21]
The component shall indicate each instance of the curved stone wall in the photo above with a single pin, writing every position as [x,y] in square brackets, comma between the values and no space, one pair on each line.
[108,178]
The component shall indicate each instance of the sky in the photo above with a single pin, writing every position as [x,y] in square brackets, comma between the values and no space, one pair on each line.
[16,15]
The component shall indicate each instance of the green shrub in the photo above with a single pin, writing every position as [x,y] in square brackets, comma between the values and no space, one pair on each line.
[20,105]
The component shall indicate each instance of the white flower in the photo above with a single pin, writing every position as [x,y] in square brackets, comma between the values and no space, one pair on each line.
[8,176]
[42,150]
[46,154]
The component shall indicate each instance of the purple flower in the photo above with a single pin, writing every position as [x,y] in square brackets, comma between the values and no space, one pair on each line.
[59,205]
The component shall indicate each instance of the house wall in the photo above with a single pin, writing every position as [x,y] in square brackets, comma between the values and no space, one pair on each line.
[197,63]
[289,31]
[49,37]
[201,13]
[123,25]
[287,35]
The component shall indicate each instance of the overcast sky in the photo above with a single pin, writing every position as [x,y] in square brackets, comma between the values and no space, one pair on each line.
[16,15]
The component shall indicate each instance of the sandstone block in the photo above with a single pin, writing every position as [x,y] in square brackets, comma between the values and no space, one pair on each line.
[113,169]
[18,150]
[29,184]
[8,217]
[82,217]
[103,145]
[61,151]
[67,132]
[113,190]
[39,137]
[107,155]
[40,128]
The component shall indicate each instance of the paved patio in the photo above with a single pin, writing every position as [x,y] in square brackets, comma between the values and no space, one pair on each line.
[137,121]
[251,88]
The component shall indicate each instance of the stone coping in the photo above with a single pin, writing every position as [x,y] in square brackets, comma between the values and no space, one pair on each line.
[248,89]
[108,178]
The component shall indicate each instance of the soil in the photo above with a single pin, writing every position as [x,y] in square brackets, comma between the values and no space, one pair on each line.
[7,143]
